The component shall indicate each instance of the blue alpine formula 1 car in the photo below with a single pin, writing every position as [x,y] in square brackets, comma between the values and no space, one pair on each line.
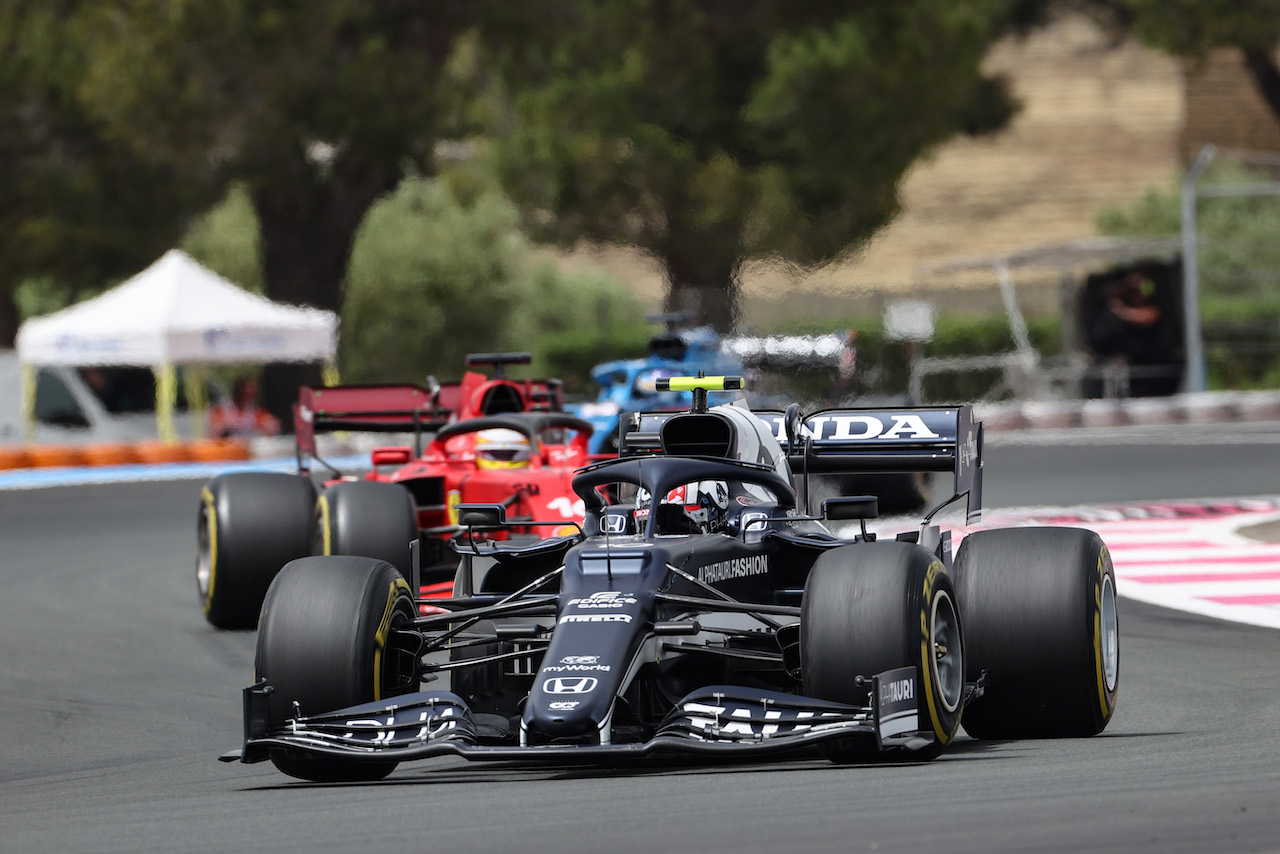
[701,609]
[630,385]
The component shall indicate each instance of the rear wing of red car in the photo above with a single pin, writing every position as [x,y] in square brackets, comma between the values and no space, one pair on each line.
[534,395]
[906,439]
[416,409]
[371,409]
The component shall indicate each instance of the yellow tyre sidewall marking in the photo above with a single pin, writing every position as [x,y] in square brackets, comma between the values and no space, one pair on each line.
[926,651]
[398,585]
[1106,704]
[211,520]
[322,504]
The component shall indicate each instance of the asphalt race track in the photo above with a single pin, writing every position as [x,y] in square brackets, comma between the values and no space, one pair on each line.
[117,699]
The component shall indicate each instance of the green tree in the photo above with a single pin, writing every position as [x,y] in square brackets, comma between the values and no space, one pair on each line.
[432,280]
[316,108]
[710,132]
[1191,28]
[79,209]
[227,240]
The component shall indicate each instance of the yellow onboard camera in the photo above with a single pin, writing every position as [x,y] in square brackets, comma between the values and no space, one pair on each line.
[699,386]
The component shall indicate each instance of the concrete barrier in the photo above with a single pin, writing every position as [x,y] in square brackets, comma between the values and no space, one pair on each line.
[1199,408]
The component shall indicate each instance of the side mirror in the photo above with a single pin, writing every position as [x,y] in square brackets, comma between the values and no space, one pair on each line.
[852,507]
[391,456]
[482,515]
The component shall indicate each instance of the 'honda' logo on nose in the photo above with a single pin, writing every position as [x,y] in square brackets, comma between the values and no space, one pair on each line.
[615,523]
[570,685]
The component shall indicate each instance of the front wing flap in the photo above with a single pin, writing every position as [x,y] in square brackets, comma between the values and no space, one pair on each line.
[715,721]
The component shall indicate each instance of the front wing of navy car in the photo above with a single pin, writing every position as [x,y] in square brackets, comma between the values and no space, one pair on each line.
[712,721]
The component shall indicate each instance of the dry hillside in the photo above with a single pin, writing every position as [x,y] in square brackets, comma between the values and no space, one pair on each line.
[1100,123]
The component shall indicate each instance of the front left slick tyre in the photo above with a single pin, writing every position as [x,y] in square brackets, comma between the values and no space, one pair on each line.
[874,607]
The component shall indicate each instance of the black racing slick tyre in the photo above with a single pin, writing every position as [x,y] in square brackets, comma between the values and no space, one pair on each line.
[367,518]
[327,641]
[874,607]
[1039,610]
[250,525]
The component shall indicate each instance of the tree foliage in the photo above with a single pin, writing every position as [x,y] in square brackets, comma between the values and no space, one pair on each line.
[710,133]
[432,280]
[316,108]
[704,132]
[1191,28]
[226,239]
[79,208]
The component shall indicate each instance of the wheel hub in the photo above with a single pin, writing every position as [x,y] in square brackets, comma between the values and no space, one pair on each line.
[204,555]
[948,658]
[1110,640]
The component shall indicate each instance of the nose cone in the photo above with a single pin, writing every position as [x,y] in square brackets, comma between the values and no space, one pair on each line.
[570,706]
[597,636]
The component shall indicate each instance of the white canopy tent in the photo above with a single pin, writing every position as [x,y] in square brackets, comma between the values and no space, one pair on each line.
[175,312]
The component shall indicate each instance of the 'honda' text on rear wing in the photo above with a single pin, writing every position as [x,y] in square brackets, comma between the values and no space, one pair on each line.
[906,439]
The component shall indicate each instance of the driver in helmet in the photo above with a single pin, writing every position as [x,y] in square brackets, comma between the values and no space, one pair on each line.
[500,448]
[703,508]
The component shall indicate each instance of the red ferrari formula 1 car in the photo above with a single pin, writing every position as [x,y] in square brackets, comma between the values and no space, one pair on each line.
[492,440]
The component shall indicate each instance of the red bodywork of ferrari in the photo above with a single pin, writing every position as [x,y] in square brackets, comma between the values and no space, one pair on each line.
[447,473]
[441,469]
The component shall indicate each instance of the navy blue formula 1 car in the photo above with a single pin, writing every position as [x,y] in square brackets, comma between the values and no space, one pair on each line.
[701,610]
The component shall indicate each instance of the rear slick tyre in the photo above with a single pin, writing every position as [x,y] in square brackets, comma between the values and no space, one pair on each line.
[250,525]
[367,518]
[1039,610]
[326,641]
[874,607]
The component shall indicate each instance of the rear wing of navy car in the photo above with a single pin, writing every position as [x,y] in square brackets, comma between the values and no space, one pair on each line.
[905,439]
[830,441]
[859,441]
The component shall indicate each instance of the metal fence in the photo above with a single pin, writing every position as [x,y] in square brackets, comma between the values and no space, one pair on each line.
[1230,207]
[1217,285]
